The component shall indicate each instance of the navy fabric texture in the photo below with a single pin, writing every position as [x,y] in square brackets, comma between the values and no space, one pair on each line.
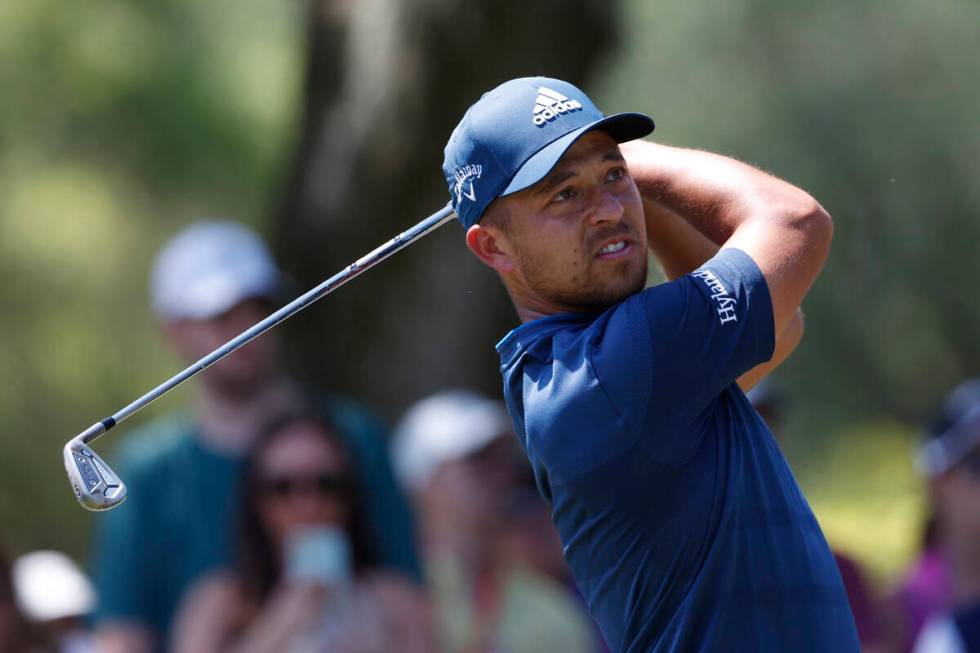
[680,519]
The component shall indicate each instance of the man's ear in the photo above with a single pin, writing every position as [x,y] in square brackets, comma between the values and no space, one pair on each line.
[490,246]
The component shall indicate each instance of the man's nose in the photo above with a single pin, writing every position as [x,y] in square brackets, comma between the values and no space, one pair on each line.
[605,207]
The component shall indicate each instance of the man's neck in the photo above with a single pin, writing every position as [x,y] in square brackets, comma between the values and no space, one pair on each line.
[530,307]
[231,423]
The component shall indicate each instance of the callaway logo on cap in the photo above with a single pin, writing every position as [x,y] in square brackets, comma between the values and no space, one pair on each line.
[496,150]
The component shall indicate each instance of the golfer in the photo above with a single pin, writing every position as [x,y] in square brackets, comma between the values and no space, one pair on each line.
[681,522]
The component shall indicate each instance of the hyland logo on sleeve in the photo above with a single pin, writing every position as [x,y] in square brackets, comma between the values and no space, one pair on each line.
[726,304]
[465,177]
[551,104]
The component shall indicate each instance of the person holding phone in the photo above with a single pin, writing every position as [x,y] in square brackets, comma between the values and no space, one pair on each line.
[307,576]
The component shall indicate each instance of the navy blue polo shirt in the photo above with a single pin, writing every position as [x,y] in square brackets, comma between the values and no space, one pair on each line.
[681,521]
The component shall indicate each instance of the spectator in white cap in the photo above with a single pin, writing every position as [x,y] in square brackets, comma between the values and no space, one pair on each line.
[17,632]
[211,282]
[54,593]
[455,453]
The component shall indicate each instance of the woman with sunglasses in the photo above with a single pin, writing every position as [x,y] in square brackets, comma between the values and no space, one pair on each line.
[308,578]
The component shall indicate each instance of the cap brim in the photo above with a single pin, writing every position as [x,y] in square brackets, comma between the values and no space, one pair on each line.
[621,126]
[215,296]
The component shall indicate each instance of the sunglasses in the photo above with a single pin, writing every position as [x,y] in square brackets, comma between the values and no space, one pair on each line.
[324,484]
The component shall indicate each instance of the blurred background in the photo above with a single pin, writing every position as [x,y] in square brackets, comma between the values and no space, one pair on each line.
[322,126]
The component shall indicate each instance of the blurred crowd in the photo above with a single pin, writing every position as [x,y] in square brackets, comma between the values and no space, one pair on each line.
[271,517]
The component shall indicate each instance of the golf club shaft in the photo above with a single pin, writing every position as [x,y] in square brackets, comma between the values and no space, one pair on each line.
[400,241]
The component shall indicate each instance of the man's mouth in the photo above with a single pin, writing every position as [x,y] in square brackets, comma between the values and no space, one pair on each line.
[614,249]
[611,248]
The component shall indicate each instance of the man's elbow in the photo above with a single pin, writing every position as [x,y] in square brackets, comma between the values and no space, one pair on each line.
[793,333]
[813,220]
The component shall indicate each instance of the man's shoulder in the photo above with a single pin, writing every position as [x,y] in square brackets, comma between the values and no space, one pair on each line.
[598,356]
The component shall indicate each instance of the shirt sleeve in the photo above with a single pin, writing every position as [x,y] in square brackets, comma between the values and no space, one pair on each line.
[669,350]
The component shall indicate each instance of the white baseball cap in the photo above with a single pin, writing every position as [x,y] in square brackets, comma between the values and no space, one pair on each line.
[444,427]
[49,585]
[208,268]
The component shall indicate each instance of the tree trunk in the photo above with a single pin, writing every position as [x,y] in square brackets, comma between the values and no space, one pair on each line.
[386,82]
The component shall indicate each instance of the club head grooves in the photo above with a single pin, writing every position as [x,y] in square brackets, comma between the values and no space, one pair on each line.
[95,485]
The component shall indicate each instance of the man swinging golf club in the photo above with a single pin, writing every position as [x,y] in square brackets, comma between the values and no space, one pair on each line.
[681,521]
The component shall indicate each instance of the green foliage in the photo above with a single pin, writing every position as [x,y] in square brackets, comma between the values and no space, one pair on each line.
[120,121]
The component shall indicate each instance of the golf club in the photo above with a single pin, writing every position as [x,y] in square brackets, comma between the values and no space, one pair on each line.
[97,487]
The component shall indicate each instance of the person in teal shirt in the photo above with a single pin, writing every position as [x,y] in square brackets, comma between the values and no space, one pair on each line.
[210,283]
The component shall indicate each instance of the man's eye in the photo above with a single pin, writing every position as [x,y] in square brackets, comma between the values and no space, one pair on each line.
[563,195]
[616,174]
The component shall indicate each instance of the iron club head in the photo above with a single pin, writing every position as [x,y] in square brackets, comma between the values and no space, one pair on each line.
[95,485]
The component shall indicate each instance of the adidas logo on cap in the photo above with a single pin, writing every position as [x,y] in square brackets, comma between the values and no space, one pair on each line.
[551,104]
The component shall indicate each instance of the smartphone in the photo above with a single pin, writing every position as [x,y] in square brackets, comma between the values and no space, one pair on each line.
[319,553]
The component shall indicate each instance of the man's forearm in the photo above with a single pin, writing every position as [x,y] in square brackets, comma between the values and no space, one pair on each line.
[678,246]
[692,204]
[786,343]
[713,193]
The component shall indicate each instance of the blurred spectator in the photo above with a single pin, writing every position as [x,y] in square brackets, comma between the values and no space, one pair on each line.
[531,539]
[309,577]
[455,452]
[211,282]
[950,460]
[55,594]
[926,587]
[871,615]
[17,634]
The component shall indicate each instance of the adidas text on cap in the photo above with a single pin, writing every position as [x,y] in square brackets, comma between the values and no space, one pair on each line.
[513,136]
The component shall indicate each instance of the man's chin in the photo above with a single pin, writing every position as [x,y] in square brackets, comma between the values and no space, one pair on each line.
[618,296]
[600,300]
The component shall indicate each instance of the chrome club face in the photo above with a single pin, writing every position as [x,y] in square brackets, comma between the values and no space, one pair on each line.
[95,485]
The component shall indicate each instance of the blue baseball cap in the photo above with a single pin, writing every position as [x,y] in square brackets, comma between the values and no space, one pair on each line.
[515,134]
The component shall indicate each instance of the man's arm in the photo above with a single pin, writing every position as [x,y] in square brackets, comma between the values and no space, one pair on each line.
[685,230]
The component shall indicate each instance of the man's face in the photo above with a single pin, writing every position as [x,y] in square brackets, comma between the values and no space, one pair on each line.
[576,239]
[471,492]
[242,373]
